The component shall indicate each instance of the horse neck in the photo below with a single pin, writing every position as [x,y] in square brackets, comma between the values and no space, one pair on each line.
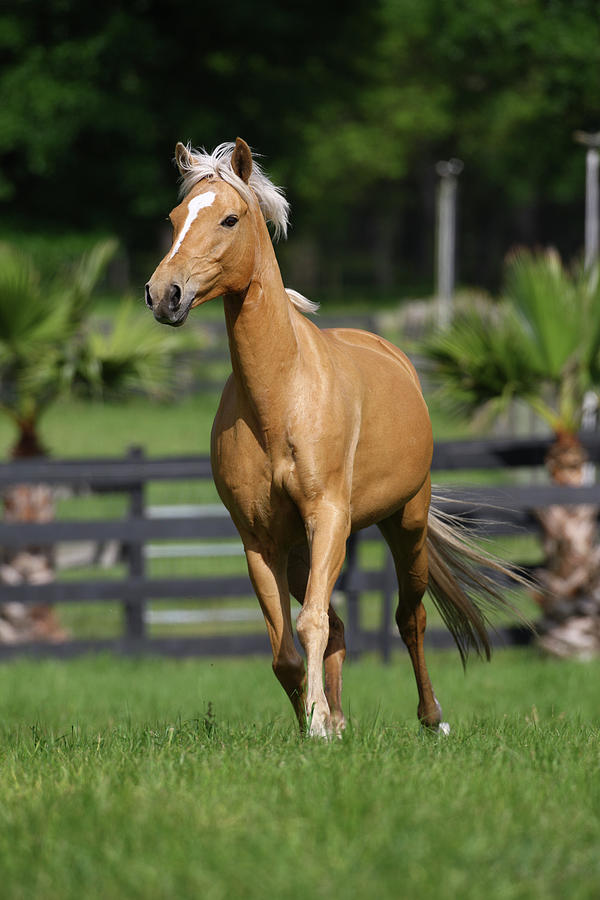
[262,338]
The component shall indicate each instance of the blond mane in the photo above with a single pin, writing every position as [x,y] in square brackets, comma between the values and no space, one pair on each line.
[199,164]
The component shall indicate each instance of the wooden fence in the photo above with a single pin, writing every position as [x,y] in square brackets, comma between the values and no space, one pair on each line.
[513,514]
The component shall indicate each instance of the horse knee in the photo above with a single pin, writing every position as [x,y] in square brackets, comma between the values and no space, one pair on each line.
[412,584]
[311,624]
[289,670]
[411,622]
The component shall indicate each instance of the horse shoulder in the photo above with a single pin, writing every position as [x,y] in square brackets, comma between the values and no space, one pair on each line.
[237,451]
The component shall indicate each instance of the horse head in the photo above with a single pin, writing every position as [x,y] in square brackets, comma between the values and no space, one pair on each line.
[214,231]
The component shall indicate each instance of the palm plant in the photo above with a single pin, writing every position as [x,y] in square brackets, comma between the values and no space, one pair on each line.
[49,346]
[541,345]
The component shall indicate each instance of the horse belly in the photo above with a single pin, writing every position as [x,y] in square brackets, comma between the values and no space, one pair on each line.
[393,455]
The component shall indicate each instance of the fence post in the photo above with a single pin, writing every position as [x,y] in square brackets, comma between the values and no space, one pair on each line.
[135,625]
[352,598]
[389,589]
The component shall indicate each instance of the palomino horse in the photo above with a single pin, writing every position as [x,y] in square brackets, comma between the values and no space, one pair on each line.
[319,433]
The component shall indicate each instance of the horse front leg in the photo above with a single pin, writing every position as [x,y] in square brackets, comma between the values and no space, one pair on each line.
[269,579]
[327,530]
[335,651]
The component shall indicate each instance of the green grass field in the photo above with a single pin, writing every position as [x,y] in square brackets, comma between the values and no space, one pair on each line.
[162,779]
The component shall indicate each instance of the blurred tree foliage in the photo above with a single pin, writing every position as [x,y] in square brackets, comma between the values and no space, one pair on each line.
[352,103]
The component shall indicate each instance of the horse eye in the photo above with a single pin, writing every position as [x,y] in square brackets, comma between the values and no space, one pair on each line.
[230,221]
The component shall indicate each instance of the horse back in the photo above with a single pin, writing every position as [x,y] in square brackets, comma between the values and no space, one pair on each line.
[373,343]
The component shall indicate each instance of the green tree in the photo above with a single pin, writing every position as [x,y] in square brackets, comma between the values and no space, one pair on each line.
[541,345]
[351,114]
[500,84]
[93,98]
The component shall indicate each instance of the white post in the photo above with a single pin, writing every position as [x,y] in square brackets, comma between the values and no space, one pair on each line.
[589,417]
[446,238]
[591,207]
[592,163]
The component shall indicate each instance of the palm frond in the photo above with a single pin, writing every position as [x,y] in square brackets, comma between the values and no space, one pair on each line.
[549,304]
[136,355]
[85,275]
[482,361]
[41,328]
[589,285]
[22,302]
[540,344]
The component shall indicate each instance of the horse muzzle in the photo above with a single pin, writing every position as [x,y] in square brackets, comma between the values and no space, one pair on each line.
[168,303]
[171,301]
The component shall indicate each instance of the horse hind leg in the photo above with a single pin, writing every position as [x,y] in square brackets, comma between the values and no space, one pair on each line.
[335,651]
[335,654]
[405,533]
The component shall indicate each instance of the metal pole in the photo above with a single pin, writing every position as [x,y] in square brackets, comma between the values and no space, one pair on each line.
[592,164]
[446,237]
[589,417]
[591,208]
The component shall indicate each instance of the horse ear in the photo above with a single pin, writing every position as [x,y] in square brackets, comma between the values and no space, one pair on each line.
[241,160]
[183,158]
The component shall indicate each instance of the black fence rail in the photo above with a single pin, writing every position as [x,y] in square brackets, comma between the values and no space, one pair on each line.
[513,513]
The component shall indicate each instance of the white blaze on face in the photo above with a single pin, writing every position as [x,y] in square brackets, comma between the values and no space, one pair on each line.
[194,207]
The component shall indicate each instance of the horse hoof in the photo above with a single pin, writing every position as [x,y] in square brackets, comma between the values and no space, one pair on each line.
[436,728]
[338,725]
[319,731]
[320,726]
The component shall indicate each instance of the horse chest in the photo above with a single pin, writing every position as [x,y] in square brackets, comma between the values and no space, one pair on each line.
[252,478]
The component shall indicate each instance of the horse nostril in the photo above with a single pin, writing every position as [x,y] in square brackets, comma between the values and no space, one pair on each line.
[148,297]
[175,297]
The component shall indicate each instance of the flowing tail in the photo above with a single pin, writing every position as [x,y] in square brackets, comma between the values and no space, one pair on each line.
[466,596]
